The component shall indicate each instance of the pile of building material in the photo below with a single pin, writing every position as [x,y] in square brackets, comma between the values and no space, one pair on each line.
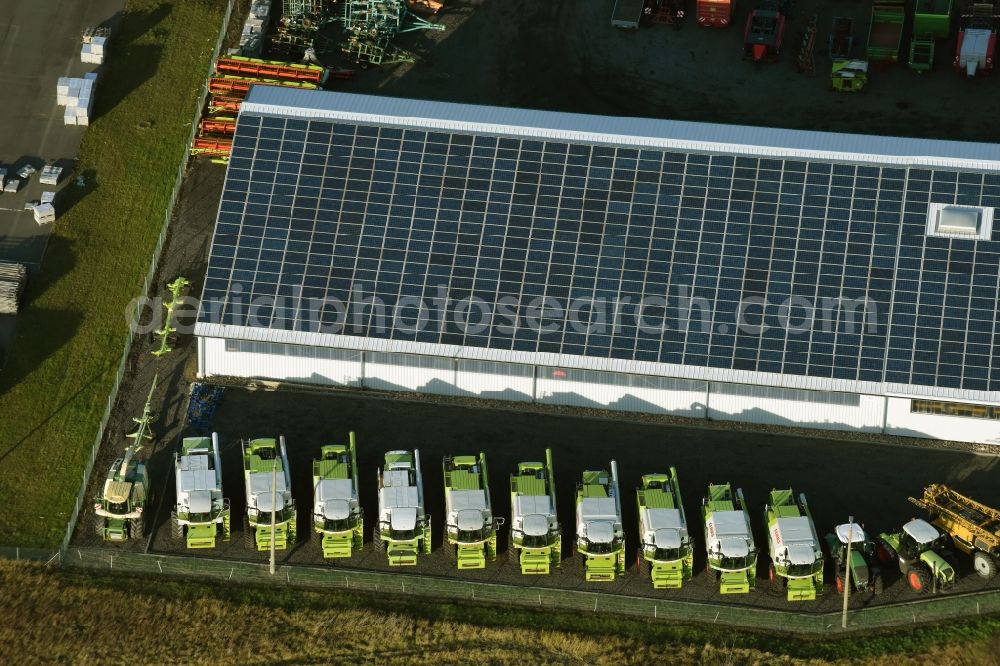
[13,277]
[45,213]
[95,43]
[77,95]
[12,185]
[50,175]
[254,29]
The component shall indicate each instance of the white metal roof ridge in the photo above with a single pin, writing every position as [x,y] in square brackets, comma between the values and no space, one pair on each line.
[637,132]
[668,370]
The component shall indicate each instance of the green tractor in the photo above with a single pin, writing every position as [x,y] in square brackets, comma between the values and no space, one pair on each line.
[600,535]
[922,553]
[201,514]
[404,528]
[732,554]
[866,576]
[123,498]
[269,495]
[337,513]
[666,555]
[796,558]
[470,525]
[535,534]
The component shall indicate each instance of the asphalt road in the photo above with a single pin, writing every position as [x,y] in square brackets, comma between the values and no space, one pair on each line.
[39,42]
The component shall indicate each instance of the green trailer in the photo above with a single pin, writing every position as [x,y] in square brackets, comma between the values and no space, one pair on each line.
[337,513]
[922,553]
[666,555]
[732,555]
[600,535]
[271,513]
[119,508]
[404,527]
[201,514]
[535,533]
[796,557]
[885,34]
[931,21]
[471,528]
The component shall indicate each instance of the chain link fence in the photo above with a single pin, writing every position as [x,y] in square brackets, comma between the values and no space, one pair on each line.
[925,611]
[147,283]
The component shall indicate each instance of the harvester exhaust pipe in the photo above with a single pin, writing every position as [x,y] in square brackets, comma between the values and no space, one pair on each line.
[614,486]
[420,477]
[485,477]
[218,459]
[284,461]
[552,476]
[354,461]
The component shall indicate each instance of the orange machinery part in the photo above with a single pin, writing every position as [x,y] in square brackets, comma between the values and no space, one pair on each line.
[218,103]
[269,70]
[210,144]
[218,125]
[424,6]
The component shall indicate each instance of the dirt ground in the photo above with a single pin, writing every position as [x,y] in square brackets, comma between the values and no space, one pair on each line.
[565,56]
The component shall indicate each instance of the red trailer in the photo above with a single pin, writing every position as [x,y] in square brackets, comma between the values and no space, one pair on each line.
[212,145]
[217,103]
[270,69]
[218,125]
[715,13]
[763,35]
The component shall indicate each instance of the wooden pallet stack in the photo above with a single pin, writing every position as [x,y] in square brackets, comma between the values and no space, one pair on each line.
[13,278]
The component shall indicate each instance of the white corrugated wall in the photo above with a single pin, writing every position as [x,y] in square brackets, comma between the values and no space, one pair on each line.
[794,407]
[899,420]
[344,369]
[386,371]
[495,380]
[622,392]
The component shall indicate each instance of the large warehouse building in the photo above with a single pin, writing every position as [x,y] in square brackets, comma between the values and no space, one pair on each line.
[720,272]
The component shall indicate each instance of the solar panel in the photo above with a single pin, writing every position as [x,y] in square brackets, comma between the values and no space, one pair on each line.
[739,262]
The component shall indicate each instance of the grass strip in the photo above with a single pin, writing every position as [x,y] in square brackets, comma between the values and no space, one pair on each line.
[71,335]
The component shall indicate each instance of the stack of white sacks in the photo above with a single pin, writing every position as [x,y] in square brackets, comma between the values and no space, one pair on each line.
[95,42]
[77,95]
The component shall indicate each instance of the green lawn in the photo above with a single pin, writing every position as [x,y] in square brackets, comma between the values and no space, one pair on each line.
[70,337]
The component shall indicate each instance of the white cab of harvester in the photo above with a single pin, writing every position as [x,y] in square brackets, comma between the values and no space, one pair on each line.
[728,534]
[259,488]
[794,540]
[533,515]
[199,478]
[401,494]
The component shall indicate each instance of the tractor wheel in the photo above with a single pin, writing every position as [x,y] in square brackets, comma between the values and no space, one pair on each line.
[136,528]
[919,579]
[708,569]
[886,553]
[840,584]
[877,583]
[771,575]
[984,565]
[99,526]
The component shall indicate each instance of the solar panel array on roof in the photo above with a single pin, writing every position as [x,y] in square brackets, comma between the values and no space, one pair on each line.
[809,268]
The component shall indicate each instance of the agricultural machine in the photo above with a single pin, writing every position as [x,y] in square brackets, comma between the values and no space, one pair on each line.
[922,554]
[535,534]
[337,513]
[866,576]
[271,511]
[271,69]
[404,528]
[600,535]
[796,558]
[469,524]
[849,75]
[371,26]
[977,39]
[123,498]
[974,528]
[931,21]
[764,34]
[714,13]
[732,555]
[201,514]
[885,33]
[666,555]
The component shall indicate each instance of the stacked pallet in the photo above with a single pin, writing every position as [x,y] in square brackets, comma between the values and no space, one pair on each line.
[95,41]
[50,175]
[13,278]
[45,213]
[77,95]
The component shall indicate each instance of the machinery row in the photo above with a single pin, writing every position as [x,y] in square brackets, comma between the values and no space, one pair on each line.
[796,558]
[764,33]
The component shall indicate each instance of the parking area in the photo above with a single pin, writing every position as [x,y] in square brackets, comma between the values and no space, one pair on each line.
[39,42]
